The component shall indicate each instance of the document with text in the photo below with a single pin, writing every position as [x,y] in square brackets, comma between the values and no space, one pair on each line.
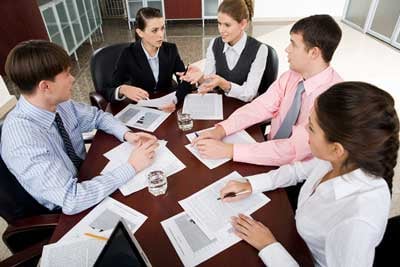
[191,244]
[241,137]
[158,102]
[204,107]
[142,118]
[213,215]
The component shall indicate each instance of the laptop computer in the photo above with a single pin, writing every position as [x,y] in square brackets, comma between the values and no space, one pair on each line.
[122,249]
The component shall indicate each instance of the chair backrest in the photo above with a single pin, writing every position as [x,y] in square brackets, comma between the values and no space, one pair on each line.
[386,253]
[15,202]
[102,64]
[271,72]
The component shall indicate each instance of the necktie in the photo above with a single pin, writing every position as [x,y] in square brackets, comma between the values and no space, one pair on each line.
[291,117]
[77,161]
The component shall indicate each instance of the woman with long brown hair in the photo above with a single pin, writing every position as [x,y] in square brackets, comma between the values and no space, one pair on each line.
[344,203]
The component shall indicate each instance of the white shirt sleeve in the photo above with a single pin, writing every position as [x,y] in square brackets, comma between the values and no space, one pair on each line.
[117,94]
[276,255]
[352,243]
[209,67]
[285,176]
[248,90]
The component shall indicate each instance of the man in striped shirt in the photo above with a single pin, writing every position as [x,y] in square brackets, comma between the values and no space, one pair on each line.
[42,142]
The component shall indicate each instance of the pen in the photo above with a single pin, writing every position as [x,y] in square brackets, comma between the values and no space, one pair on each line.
[186,70]
[196,134]
[233,194]
[96,236]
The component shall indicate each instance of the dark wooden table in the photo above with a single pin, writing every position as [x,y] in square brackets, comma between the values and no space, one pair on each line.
[277,214]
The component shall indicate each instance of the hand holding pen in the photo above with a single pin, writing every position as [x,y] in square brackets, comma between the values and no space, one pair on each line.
[234,191]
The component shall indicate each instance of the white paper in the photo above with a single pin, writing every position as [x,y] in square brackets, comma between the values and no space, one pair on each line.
[82,252]
[142,118]
[241,137]
[103,219]
[158,102]
[214,216]
[164,161]
[191,244]
[204,107]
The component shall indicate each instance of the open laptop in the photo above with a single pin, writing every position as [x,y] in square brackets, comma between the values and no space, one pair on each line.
[122,249]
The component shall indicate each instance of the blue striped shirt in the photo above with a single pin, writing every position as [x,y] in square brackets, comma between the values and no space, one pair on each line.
[33,150]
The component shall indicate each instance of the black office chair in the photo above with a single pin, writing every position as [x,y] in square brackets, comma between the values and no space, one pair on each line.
[386,254]
[102,65]
[30,225]
[272,70]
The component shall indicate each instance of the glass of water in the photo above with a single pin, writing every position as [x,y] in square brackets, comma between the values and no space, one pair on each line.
[185,122]
[157,183]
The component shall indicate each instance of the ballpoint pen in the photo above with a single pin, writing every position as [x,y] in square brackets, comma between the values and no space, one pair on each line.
[233,194]
[196,134]
[186,70]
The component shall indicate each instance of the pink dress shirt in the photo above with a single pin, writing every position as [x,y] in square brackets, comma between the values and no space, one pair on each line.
[274,104]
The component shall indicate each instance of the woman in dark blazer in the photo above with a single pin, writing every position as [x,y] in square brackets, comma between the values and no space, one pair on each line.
[147,65]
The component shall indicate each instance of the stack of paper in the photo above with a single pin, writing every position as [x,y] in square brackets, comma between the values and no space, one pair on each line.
[164,161]
[241,137]
[77,249]
[204,229]
[158,102]
[204,107]
[142,118]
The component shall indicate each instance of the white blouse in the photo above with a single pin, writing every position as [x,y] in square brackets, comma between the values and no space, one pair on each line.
[341,222]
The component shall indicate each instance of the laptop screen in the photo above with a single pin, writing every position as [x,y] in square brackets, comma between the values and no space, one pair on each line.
[121,250]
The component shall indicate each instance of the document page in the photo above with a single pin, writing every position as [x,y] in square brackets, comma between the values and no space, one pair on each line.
[103,218]
[158,102]
[142,118]
[213,215]
[204,107]
[81,252]
[241,137]
[164,161]
[191,244]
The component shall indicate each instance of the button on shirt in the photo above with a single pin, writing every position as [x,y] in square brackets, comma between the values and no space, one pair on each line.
[341,220]
[274,104]
[33,150]
[248,90]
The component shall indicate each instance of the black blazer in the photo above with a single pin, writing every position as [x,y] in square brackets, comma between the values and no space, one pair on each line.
[132,68]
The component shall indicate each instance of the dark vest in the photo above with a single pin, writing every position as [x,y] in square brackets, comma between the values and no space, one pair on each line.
[241,70]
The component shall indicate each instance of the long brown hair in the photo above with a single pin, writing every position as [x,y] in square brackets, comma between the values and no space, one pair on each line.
[237,9]
[363,119]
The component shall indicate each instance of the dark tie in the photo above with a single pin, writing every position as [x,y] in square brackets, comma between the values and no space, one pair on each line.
[291,117]
[77,161]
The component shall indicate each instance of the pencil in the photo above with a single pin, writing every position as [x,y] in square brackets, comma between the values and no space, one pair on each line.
[97,236]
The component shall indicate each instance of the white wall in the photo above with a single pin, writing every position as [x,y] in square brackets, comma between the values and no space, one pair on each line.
[7,101]
[295,9]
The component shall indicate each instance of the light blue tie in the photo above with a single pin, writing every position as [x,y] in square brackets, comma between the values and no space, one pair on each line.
[291,117]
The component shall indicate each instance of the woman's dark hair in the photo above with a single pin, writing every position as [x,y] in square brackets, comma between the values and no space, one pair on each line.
[363,119]
[30,62]
[142,16]
[237,9]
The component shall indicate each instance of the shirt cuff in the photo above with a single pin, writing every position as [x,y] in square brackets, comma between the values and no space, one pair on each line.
[119,130]
[259,182]
[117,94]
[125,172]
[276,255]
[235,90]
[225,124]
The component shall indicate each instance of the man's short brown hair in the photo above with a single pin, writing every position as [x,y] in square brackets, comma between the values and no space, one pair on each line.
[320,31]
[30,62]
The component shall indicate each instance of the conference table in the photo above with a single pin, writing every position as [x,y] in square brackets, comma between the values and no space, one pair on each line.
[277,214]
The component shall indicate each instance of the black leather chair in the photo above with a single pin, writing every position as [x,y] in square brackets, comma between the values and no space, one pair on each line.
[102,66]
[386,254]
[272,70]
[30,225]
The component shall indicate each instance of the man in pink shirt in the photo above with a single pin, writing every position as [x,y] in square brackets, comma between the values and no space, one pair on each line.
[287,102]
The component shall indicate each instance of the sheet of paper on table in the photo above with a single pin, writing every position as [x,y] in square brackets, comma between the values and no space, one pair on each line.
[204,107]
[158,102]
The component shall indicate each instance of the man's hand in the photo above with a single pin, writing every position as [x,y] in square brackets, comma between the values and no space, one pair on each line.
[214,149]
[253,232]
[235,187]
[134,93]
[169,108]
[143,155]
[217,134]
[139,138]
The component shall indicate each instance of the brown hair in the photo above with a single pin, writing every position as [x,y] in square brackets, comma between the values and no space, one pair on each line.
[30,62]
[320,31]
[363,119]
[237,9]
[142,16]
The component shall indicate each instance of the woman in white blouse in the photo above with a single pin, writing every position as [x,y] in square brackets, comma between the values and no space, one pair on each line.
[344,203]
[235,62]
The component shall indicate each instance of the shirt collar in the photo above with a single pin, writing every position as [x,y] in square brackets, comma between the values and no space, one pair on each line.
[317,80]
[147,54]
[41,116]
[239,46]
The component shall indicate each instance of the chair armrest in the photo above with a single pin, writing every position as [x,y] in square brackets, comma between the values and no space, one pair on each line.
[97,100]
[44,220]
[28,257]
